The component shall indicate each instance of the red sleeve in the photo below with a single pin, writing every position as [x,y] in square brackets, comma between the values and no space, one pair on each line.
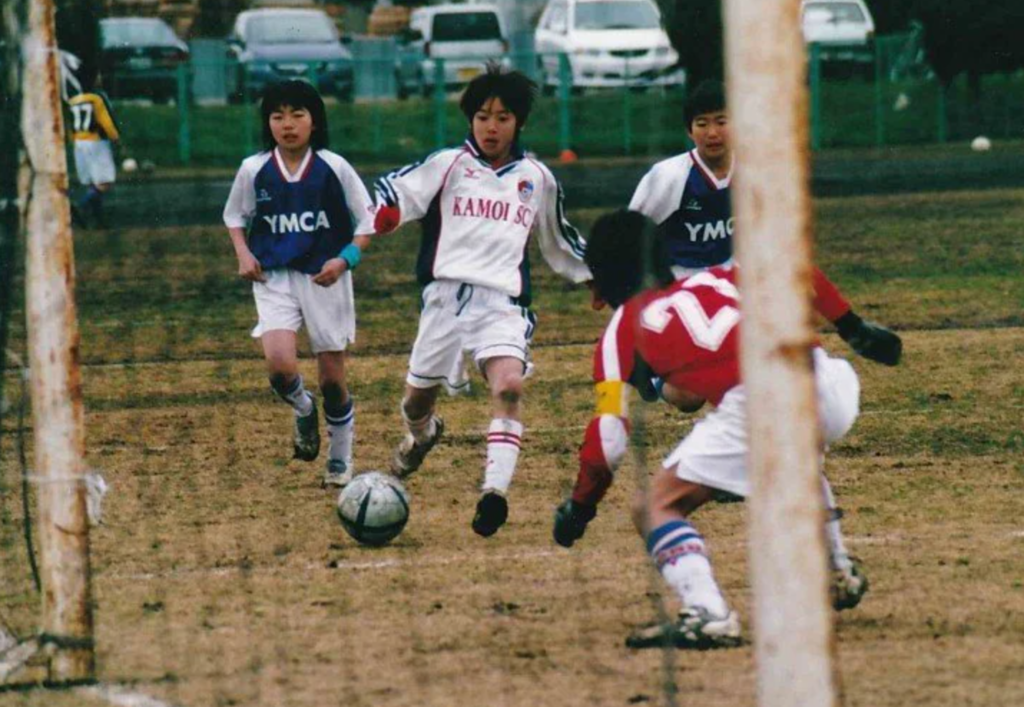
[595,475]
[828,300]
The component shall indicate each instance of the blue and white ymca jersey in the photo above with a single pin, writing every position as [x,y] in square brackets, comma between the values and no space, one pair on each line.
[301,220]
[477,221]
[691,208]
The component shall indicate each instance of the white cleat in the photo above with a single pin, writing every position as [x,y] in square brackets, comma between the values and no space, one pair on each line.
[409,454]
[695,629]
[337,475]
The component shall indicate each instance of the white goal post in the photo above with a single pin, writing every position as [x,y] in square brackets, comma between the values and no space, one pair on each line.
[57,411]
[766,78]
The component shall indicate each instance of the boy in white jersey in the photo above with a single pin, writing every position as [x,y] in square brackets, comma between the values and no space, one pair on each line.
[299,218]
[479,204]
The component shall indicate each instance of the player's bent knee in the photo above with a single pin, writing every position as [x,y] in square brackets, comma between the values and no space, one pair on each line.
[281,382]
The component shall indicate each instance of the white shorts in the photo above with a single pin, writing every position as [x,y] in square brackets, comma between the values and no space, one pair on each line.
[459,317]
[289,299]
[94,162]
[714,454]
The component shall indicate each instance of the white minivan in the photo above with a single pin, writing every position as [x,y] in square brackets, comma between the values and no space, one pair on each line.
[608,43]
[465,37]
[843,29]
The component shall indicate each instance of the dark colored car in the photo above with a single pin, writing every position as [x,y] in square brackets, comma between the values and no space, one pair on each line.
[139,58]
[277,44]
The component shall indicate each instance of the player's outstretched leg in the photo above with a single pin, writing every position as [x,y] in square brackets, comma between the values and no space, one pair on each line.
[423,431]
[849,583]
[306,433]
[705,620]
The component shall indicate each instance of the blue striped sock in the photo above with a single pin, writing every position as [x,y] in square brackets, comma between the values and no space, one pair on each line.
[672,540]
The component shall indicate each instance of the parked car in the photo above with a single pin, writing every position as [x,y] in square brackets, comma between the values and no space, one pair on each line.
[465,37]
[844,29]
[276,44]
[609,43]
[139,57]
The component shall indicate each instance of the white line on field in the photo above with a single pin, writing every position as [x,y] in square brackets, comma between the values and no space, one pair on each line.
[122,697]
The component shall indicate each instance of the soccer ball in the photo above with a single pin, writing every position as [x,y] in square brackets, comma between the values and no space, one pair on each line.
[981,144]
[129,165]
[374,508]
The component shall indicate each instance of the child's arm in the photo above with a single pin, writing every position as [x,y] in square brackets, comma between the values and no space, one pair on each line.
[406,194]
[240,207]
[362,212]
[560,243]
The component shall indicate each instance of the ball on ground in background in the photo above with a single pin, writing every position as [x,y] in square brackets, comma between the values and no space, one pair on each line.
[374,508]
[129,165]
[981,144]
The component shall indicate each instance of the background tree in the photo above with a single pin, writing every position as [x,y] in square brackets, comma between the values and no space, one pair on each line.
[695,30]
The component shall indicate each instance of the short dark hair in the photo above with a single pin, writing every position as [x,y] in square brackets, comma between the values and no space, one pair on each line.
[708,97]
[515,89]
[623,248]
[296,94]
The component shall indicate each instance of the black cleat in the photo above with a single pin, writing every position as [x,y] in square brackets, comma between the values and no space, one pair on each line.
[491,514]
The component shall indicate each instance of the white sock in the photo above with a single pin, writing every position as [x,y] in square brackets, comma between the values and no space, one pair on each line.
[341,432]
[504,440]
[837,552]
[422,429]
[298,397]
[681,556]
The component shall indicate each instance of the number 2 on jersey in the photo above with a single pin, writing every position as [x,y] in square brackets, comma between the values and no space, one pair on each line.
[706,332]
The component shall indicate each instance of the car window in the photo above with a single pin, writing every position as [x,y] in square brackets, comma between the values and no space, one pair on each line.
[627,14]
[826,12]
[557,20]
[136,33]
[290,29]
[466,26]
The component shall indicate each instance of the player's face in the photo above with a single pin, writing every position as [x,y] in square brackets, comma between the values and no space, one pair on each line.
[710,133]
[494,129]
[291,128]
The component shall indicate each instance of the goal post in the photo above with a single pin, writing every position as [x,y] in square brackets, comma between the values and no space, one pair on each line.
[52,326]
[766,83]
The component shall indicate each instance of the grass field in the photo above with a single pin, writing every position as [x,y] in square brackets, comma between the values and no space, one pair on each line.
[223,578]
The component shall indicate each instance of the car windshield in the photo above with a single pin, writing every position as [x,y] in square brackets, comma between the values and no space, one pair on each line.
[821,13]
[290,29]
[136,33]
[466,27]
[616,15]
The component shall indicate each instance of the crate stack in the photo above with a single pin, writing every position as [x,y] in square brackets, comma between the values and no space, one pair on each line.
[388,21]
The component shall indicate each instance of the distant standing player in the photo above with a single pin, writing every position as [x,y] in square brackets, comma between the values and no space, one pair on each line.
[688,197]
[299,219]
[93,132]
[686,331]
[479,204]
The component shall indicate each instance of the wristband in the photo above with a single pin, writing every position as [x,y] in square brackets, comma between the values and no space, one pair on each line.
[351,254]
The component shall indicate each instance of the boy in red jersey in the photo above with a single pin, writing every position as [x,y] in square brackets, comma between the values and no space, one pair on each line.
[685,332]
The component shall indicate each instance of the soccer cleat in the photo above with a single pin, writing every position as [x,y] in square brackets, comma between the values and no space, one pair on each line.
[307,435]
[338,474]
[491,514]
[849,585]
[409,454]
[695,628]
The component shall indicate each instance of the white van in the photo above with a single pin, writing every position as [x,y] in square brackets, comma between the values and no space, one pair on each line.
[465,37]
[608,43]
[844,29]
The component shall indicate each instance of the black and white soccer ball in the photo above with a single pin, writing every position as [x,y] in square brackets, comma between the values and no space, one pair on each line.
[374,508]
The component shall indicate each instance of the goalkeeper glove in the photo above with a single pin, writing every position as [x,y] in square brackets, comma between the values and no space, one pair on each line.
[387,219]
[571,522]
[870,340]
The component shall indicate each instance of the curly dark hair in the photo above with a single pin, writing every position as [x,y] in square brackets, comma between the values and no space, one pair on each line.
[622,250]
[708,97]
[295,94]
[516,90]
